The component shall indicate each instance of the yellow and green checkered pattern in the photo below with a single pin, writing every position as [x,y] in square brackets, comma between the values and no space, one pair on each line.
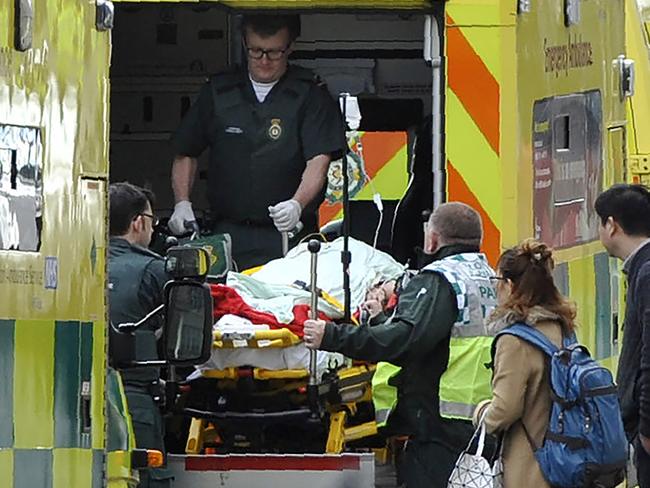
[582,279]
[51,404]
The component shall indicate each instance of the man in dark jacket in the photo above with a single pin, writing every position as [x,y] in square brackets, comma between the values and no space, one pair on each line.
[449,298]
[136,278]
[624,212]
[272,130]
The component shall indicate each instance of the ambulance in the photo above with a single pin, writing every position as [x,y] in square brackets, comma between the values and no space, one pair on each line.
[523,109]
[637,30]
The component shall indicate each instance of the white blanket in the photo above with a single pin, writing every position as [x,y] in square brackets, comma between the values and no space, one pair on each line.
[294,357]
[271,288]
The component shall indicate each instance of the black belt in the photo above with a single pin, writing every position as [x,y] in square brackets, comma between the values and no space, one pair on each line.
[245,222]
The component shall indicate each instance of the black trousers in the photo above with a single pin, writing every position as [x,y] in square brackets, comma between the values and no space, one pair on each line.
[149,434]
[642,462]
[429,463]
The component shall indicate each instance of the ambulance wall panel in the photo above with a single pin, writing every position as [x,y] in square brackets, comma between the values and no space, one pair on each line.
[97,469]
[97,384]
[603,304]
[67,385]
[362,29]
[34,384]
[7,331]
[166,39]
[72,468]
[33,468]
[148,164]
[7,465]
[151,106]
[561,278]
[582,287]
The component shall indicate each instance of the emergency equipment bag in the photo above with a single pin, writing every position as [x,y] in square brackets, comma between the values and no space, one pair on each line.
[219,247]
[585,444]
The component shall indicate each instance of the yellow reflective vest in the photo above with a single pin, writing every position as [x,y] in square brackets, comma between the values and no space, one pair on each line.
[467,379]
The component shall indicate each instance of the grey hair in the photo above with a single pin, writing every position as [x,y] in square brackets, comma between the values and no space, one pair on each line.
[457,223]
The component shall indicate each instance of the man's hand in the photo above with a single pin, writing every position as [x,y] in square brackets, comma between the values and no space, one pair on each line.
[373,307]
[286,215]
[182,213]
[313,333]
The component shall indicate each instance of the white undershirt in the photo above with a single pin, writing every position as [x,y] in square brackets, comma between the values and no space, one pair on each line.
[262,89]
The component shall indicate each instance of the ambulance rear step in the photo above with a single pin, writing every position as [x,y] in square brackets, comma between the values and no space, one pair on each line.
[348,470]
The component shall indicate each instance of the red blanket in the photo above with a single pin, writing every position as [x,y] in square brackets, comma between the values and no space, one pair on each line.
[227,301]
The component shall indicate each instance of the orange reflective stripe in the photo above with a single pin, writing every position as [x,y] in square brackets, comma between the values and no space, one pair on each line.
[379,149]
[473,84]
[459,191]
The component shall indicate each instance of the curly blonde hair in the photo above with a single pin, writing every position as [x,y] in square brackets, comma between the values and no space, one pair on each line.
[529,267]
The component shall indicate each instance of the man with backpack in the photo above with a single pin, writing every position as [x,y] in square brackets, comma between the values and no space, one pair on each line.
[624,212]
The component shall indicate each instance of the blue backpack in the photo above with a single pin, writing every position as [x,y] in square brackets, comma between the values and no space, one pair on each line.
[585,444]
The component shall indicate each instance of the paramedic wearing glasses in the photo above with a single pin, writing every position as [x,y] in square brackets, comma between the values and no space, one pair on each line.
[136,279]
[272,131]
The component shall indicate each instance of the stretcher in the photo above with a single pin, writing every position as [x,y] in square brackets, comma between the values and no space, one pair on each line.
[251,398]
[273,398]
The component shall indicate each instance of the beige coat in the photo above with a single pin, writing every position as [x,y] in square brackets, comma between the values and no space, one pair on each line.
[521,394]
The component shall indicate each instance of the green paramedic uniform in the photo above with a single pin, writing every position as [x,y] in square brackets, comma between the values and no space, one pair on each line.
[258,152]
[420,338]
[136,278]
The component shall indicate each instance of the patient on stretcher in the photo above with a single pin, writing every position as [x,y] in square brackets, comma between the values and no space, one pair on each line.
[275,298]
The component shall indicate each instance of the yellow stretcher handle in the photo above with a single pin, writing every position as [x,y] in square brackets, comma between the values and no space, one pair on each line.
[258,339]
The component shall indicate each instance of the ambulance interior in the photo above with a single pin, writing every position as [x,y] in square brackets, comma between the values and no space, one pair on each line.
[162,54]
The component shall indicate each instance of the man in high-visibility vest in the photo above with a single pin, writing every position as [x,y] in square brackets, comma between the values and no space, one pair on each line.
[438,338]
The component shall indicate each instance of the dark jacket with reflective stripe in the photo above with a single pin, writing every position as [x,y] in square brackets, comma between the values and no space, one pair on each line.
[136,279]
[417,339]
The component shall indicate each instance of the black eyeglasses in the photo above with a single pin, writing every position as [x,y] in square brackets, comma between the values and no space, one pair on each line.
[154,219]
[271,54]
[498,278]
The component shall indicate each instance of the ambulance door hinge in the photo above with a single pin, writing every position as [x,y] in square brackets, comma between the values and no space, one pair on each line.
[104,15]
[524,6]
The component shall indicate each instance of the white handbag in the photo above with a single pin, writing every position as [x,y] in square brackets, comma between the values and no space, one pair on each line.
[475,471]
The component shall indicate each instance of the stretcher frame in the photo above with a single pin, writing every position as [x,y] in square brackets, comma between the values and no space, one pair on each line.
[352,385]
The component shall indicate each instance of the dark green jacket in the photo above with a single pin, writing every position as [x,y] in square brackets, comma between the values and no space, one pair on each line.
[136,279]
[416,338]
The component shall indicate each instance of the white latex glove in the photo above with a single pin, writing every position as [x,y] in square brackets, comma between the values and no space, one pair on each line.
[286,215]
[182,213]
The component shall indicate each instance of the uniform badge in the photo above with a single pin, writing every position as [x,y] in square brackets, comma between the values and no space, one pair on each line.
[275,130]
